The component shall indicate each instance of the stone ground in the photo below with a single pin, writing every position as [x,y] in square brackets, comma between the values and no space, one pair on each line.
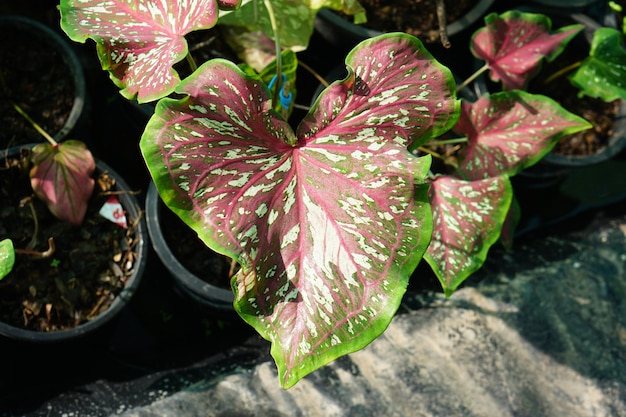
[539,332]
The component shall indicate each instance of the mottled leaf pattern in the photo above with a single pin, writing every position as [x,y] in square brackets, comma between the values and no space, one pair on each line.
[138,41]
[603,73]
[510,131]
[467,219]
[327,225]
[61,177]
[387,102]
[7,257]
[514,43]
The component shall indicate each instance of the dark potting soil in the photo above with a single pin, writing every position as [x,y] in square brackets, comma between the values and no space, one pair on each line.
[33,75]
[89,266]
[415,17]
[193,254]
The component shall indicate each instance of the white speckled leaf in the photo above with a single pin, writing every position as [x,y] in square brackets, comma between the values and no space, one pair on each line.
[327,225]
[467,219]
[510,131]
[138,41]
[7,257]
[603,73]
[407,94]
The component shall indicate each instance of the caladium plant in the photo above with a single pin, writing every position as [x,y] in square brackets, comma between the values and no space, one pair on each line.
[329,221]
[506,132]
[60,175]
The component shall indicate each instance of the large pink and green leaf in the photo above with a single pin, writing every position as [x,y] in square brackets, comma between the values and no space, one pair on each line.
[514,43]
[61,177]
[510,131]
[327,224]
[468,217]
[138,41]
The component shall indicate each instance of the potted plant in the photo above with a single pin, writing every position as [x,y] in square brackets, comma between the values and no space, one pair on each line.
[44,75]
[72,241]
[329,221]
[592,90]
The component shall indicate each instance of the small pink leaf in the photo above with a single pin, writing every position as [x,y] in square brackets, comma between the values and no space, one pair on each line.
[328,224]
[61,177]
[138,42]
[468,217]
[514,43]
[510,131]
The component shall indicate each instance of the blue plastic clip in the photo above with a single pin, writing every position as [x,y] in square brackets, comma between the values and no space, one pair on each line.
[285,100]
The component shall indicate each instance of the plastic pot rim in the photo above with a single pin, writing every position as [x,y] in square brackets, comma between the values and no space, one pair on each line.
[70,59]
[219,299]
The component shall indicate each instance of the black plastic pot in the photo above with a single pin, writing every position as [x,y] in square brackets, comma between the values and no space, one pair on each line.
[20,26]
[567,4]
[131,207]
[207,296]
[339,31]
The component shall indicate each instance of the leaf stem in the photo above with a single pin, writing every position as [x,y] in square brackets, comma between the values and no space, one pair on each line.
[26,116]
[443,26]
[562,71]
[314,73]
[191,62]
[446,160]
[34,124]
[430,152]
[45,254]
[279,69]
[33,239]
[446,141]
[472,77]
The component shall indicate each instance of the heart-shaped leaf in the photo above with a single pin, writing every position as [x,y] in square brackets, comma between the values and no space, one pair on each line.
[467,217]
[327,225]
[603,73]
[61,177]
[514,43]
[7,257]
[510,131]
[138,42]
